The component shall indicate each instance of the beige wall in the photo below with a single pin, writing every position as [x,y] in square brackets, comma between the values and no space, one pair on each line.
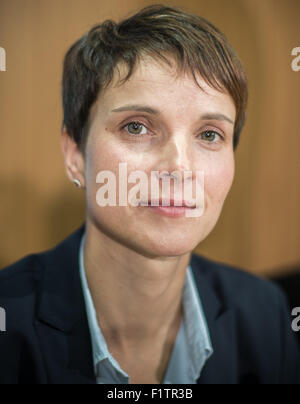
[259,229]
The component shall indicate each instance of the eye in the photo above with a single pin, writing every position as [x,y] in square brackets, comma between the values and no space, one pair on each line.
[210,136]
[135,128]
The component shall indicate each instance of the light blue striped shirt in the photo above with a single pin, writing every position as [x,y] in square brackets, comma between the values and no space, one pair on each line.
[192,346]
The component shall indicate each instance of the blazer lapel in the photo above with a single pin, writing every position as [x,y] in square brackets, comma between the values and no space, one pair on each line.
[221,367]
[61,317]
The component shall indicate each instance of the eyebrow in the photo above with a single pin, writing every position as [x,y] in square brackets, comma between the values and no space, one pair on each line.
[210,116]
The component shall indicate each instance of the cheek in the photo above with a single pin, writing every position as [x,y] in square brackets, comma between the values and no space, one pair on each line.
[107,155]
[218,180]
[104,156]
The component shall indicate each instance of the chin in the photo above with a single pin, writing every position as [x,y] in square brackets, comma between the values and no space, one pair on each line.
[168,246]
[173,251]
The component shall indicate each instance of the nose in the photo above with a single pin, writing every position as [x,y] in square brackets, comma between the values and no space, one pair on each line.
[176,155]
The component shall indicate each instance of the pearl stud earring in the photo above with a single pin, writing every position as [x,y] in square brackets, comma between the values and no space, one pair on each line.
[77,183]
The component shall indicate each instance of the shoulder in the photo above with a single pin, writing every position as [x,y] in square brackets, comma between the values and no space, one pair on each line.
[23,283]
[240,289]
[255,314]
[20,274]
[18,293]
[29,270]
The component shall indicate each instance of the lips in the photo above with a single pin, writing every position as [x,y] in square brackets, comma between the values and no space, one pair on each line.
[173,203]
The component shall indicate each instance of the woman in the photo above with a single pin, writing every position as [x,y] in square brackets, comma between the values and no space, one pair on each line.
[159,96]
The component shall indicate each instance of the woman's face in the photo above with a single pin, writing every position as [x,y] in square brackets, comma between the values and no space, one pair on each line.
[192,130]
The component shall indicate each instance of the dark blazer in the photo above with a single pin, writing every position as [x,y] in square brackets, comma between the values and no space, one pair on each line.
[47,338]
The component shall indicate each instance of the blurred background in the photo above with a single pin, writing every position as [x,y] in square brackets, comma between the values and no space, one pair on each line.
[259,229]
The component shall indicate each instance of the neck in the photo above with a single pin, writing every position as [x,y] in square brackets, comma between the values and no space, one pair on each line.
[137,298]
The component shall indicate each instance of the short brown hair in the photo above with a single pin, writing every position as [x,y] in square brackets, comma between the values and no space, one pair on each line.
[157,30]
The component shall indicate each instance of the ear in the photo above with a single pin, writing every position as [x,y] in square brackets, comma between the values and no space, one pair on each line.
[73,158]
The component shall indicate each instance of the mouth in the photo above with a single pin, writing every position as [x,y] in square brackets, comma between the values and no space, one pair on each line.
[171,203]
[174,208]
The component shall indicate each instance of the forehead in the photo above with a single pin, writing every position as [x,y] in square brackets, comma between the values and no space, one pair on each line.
[165,88]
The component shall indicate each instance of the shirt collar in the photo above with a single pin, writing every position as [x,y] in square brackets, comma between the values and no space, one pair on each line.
[195,325]
[199,342]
